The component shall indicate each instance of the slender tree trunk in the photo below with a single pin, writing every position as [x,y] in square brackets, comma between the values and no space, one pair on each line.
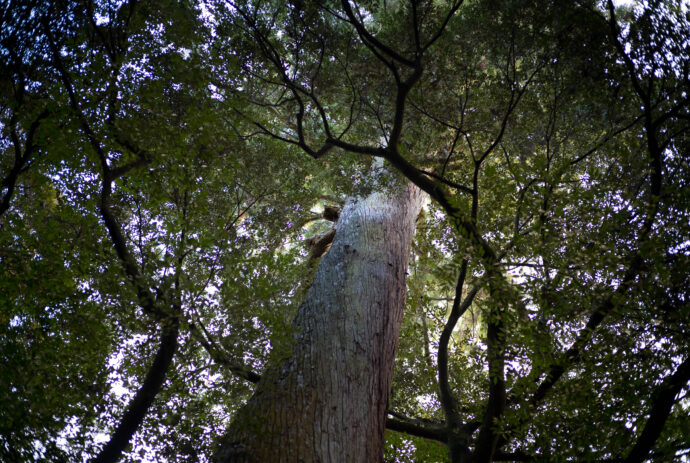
[327,401]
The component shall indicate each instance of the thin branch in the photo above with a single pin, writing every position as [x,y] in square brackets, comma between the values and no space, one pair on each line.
[451,151]
[372,41]
[438,33]
[606,139]
[426,113]
[574,353]
[512,104]
[219,357]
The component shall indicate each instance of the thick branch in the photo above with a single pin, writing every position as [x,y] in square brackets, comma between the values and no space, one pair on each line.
[142,401]
[415,427]
[495,340]
[665,394]
[447,182]
[21,158]
[573,355]
[447,400]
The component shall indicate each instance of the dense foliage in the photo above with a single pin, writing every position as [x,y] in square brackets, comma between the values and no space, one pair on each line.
[164,164]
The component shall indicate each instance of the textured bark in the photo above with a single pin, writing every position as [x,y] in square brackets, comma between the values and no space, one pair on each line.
[327,401]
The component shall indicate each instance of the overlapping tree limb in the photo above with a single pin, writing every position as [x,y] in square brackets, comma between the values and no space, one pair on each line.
[417,427]
[503,294]
[138,407]
[168,318]
[457,436]
[220,357]
[390,152]
[22,156]
[23,152]
[376,46]
[661,407]
[636,265]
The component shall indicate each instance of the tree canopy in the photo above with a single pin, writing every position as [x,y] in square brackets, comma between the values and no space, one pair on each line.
[168,168]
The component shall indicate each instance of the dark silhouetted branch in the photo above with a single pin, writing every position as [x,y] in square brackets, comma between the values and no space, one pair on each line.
[219,357]
[142,401]
[416,427]
[665,395]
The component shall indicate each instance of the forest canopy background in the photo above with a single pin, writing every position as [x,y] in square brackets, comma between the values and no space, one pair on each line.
[165,165]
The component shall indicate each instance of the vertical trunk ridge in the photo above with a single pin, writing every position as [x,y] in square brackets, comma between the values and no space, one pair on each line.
[327,401]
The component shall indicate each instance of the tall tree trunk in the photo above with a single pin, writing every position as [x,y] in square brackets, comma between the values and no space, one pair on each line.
[327,401]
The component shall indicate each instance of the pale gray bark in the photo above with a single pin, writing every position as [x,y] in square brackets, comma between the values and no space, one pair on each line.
[327,402]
